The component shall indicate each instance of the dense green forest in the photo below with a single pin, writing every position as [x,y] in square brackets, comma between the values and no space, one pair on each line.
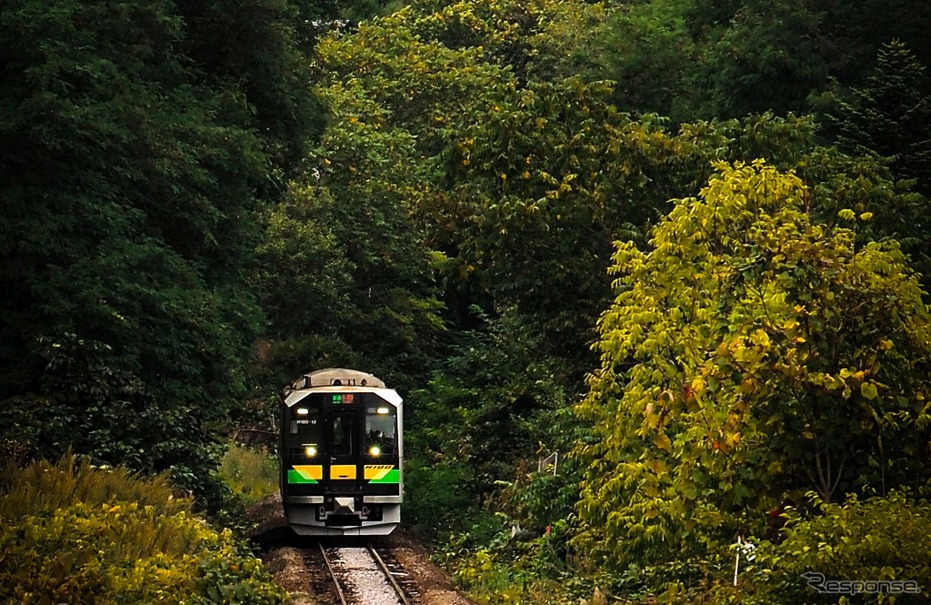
[682,243]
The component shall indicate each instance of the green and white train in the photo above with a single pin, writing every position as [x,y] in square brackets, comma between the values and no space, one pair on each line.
[342,454]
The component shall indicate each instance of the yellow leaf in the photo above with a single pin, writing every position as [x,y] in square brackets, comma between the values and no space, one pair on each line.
[657,466]
[760,338]
[652,420]
[869,391]
[698,384]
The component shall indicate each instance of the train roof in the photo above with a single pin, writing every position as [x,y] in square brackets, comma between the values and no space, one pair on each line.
[336,377]
[338,380]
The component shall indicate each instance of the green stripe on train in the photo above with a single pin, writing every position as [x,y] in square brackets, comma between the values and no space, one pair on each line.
[296,477]
[392,476]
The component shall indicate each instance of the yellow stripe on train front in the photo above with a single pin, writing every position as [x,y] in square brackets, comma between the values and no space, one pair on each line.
[310,471]
[343,471]
[376,471]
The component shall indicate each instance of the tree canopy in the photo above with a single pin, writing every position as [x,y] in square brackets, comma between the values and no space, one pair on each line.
[701,59]
[135,149]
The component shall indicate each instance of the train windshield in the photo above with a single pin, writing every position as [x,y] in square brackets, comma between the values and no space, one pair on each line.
[342,435]
[380,430]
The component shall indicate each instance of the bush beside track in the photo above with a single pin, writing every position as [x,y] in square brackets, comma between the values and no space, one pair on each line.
[72,533]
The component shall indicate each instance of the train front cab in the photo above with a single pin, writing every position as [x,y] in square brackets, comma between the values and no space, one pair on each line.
[341,460]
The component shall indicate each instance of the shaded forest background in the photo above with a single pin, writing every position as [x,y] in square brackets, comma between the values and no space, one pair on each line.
[680,242]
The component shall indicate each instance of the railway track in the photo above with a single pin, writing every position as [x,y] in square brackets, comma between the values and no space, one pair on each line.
[358,576]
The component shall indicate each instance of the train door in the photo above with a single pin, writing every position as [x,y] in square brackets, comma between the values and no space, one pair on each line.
[344,449]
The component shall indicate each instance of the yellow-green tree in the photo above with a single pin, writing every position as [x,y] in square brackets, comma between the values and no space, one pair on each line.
[751,354]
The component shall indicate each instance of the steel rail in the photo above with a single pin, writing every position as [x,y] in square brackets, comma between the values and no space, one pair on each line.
[339,589]
[384,568]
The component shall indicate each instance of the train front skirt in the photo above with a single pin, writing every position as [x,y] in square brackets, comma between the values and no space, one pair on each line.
[343,516]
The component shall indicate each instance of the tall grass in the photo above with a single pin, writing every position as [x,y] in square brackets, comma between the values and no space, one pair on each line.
[73,533]
[46,486]
[252,475]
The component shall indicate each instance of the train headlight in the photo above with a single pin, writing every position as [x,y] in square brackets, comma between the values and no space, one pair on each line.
[302,411]
[311,451]
[382,410]
[375,450]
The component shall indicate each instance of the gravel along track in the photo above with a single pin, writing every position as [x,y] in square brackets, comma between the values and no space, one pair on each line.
[364,581]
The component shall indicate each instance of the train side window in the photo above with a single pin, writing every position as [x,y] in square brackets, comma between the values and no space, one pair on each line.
[342,435]
[381,423]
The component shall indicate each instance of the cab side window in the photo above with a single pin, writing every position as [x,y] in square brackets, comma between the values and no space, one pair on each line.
[305,433]
[381,429]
